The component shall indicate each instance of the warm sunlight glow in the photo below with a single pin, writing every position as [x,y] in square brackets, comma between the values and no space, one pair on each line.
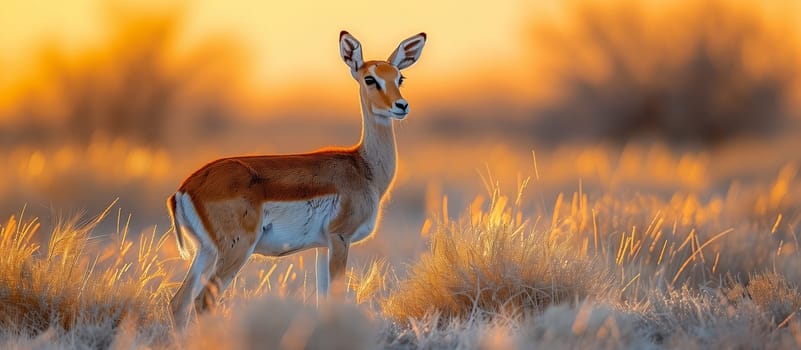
[36,164]
[588,174]
[292,45]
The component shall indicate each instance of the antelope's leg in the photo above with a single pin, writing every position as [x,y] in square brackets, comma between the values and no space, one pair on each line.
[203,264]
[231,260]
[337,264]
[323,277]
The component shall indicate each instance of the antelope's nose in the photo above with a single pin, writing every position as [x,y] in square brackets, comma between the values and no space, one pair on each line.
[402,104]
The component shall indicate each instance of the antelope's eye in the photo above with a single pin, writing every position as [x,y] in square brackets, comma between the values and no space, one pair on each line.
[400,81]
[369,80]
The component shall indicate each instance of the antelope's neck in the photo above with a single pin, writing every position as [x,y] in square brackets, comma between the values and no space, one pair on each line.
[377,148]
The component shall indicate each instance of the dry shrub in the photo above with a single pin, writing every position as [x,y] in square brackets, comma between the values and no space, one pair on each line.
[274,323]
[69,295]
[700,71]
[491,262]
[774,295]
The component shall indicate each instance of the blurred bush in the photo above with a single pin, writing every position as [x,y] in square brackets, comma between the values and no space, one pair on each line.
[130,85]
[685,71]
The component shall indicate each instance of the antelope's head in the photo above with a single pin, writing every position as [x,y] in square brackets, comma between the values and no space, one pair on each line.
[380,81]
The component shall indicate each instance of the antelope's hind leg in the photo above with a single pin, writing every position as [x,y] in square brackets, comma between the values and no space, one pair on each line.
[202,266]
[233,256]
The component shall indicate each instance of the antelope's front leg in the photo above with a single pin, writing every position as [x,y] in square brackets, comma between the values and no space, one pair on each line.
[323,276]
[337,264]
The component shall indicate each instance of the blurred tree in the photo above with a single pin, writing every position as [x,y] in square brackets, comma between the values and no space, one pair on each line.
[683,71]
[134,82]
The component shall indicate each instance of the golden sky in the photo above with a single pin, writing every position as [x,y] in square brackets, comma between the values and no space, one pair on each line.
[292,45]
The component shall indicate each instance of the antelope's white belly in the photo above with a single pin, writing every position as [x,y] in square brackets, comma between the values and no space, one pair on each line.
[291,226]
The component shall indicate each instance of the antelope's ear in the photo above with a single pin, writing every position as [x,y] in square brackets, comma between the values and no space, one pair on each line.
[408,51]
[351,51]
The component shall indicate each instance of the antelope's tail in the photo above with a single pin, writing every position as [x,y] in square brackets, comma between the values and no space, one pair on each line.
[173,208]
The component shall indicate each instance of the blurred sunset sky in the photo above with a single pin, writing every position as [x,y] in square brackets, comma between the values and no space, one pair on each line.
[290,51]
[291,46]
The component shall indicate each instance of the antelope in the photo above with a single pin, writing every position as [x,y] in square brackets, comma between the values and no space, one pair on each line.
[276,205]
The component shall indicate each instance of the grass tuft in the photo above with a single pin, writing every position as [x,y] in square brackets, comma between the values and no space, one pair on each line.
[775,296]
[64,290]
[491,262]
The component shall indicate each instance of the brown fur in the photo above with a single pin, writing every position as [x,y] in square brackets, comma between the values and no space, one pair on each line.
[245,183]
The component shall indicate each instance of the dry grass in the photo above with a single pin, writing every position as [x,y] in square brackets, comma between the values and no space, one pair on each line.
[75,290]
[648,272]
[602,269]
[492,262]
[775,296]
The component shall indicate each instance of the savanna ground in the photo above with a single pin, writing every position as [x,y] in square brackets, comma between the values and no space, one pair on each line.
[658,209]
